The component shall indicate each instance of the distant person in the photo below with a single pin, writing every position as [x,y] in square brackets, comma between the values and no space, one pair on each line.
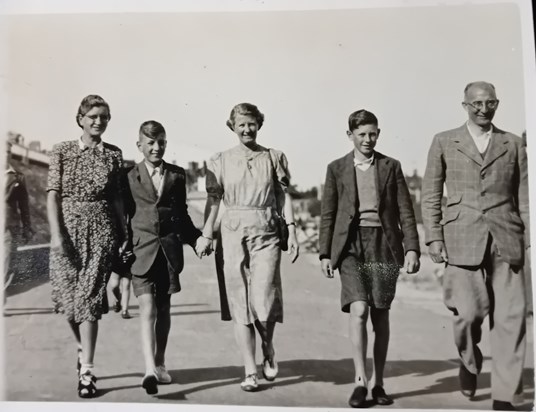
[367,232]
[18,228]
[253,182]
[87,227]
[119,287]
[160,224]
[482,236]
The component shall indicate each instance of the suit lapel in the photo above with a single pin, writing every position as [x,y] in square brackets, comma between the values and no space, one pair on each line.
[145,180]
[465,144]
[167,181]
[497,147]
[383,170]
[349,179]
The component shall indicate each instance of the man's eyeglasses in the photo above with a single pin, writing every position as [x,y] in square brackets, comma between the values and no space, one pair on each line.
[479,105]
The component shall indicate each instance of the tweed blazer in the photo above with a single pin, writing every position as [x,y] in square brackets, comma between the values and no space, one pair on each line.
[16,200]
[484,195]
[340,208]
[159,221]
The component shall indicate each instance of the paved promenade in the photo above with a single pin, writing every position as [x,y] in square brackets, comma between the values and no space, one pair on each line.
[312,348]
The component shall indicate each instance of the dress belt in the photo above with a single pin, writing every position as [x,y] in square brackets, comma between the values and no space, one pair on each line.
[238,207]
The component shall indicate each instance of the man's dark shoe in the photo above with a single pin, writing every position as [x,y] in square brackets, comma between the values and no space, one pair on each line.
[358,398]
[380,397]
[467,382]
[503,406]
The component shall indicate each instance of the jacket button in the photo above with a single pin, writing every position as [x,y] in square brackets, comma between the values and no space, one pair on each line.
[483,175]
[350,217]
[483,193]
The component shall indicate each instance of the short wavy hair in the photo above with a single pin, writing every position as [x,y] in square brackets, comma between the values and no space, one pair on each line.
[88,103]
[245,109]
[360,118]
[152,129]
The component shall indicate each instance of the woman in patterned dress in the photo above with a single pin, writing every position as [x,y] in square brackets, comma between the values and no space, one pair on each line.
[249,178]
[87,224]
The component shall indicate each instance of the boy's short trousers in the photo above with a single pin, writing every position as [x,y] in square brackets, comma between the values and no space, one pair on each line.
[368,270]
[121,269]
[155,281]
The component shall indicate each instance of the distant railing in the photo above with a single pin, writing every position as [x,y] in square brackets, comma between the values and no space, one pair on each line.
[28,155]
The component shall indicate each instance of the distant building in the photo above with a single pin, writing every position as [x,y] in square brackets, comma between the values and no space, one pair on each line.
[195,177]
[35,145]
[27,155]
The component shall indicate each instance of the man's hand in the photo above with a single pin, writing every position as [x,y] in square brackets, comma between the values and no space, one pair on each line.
[438,251]
[326,267]
[412,262]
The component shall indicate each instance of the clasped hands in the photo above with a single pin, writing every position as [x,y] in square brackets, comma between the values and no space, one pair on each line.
[203,246]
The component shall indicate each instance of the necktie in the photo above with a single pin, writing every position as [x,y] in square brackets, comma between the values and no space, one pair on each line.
[156,178]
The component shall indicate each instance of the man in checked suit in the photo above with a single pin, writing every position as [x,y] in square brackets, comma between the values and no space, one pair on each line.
[481,235]
[160,225]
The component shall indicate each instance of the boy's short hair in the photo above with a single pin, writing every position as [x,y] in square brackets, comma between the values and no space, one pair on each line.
[360,118]
[152,129]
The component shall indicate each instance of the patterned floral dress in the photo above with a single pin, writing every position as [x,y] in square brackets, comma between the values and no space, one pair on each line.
[87,180]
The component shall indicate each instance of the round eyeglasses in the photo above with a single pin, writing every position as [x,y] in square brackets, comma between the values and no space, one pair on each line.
[479,105]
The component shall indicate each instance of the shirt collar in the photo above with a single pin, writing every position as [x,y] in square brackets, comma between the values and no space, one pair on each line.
[485,135]
[360,162]
[83,146]
[150,168]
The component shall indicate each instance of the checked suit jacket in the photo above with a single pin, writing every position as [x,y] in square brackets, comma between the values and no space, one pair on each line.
[159,221]
[484,195]
[340,208]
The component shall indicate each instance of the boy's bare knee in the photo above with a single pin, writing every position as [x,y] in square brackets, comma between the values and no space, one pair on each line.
[147,306]
[359,310]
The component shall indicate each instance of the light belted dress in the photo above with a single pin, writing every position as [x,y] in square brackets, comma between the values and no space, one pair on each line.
[248,182]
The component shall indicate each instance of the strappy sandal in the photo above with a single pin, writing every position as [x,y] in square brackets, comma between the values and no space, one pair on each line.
[86,385]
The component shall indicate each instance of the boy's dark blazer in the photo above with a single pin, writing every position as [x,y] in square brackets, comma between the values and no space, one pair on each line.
[340,208]
[159,222]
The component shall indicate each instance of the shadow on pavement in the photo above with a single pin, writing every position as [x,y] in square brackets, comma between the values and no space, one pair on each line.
[338,372]
[27,311]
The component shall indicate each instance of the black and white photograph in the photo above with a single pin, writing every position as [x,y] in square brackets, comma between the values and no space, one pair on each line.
[224,205]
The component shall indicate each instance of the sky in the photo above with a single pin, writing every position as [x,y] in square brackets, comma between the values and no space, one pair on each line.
[306,70]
